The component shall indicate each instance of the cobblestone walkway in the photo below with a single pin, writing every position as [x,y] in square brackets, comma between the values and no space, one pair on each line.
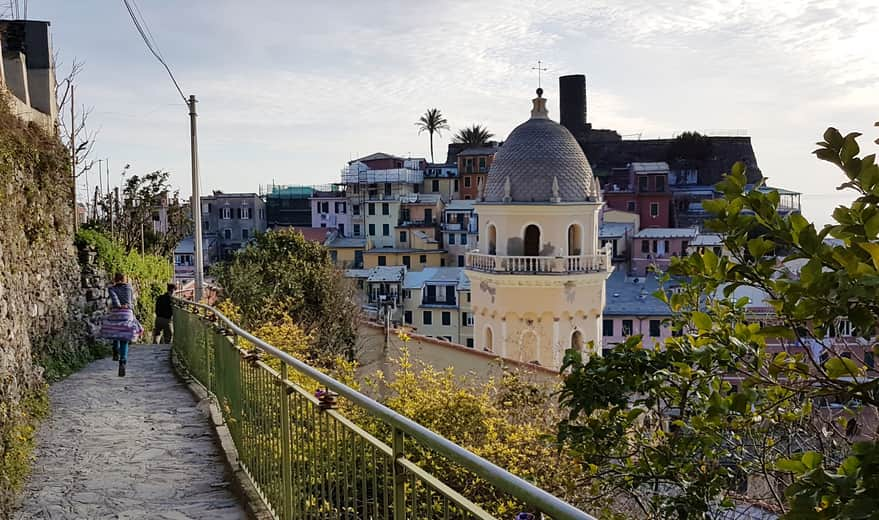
[125,448]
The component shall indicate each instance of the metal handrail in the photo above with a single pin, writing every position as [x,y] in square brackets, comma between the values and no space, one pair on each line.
[493,474]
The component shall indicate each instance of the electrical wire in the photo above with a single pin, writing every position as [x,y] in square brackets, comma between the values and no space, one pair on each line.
[139,25]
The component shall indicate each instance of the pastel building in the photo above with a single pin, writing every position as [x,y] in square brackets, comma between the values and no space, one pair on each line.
[330,209]
[657,246]
[537,279]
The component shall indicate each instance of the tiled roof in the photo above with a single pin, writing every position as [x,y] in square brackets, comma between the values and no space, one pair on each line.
[460,205]
[633,296]
[615,229]
[483,150]
[536,152]
[437,275]
[347,242]
[642,168]
[386,274]
[667,233]
[707,239]
[374,156]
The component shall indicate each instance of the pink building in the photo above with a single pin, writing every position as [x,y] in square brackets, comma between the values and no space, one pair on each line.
[331,210]
[632,309]
[656,246]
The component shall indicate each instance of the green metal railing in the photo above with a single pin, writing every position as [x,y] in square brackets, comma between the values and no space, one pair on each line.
[311,462]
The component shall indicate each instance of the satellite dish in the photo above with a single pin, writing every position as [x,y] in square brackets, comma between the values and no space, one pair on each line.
[413,197]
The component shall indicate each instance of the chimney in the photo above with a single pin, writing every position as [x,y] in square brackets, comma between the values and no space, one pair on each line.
[572,102]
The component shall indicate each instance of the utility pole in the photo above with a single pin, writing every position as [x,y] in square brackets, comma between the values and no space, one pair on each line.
[195,205]
[73,157]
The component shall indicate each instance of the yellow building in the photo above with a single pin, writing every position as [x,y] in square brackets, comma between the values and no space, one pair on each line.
[537,280]
[436,303]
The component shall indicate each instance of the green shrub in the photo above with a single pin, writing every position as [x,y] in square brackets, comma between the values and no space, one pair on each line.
[148,274]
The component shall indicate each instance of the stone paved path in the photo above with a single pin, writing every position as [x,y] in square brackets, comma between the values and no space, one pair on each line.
[126,448]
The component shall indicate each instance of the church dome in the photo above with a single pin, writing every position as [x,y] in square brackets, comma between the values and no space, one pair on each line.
[540,162]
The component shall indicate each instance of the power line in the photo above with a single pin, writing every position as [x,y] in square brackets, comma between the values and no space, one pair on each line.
[151,45]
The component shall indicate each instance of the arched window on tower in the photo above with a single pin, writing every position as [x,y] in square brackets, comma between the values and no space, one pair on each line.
[575,240]
[489,340]
[532,240]
[577,341]
[492,239]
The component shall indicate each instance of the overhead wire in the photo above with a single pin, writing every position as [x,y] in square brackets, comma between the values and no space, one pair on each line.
[150,43]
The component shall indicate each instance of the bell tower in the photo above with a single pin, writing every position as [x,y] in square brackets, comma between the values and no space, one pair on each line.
[538,278]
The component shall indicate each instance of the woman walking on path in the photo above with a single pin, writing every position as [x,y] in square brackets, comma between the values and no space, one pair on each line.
[120,324]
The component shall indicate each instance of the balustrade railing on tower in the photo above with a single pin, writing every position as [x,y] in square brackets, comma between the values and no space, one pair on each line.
[316,448]
[539,264]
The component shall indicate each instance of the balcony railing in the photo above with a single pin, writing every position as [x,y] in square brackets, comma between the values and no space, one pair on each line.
[308,460]
[540,264]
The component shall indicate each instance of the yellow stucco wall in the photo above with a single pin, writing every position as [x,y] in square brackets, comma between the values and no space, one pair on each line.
[534,317]
[510,221]
[433,258]
[478,366]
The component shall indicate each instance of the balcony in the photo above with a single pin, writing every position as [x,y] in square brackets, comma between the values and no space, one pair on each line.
[601,262]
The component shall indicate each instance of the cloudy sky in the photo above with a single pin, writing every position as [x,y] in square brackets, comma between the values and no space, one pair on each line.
[291,90]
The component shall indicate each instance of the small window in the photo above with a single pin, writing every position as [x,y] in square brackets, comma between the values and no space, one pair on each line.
[427,317]
[627,328]
[434,186]
[607,328]
[467,181]
[386,208]
[660,183]
[407,261]
[451,239]
[642,183]
[470,342]
[460,260]
[388,187]
[371,208]
[630,206]
[654,209]
[403,236]
[654,328]
[245,234]
[356,230]
[382,260]
[645,245]
[482,164]
[355,209]
[407,317]
[447,318]
[422,259]
[463,239]
[226,213]
[468,297]
[227,234]
[868,359]
[386,230]
[372,230]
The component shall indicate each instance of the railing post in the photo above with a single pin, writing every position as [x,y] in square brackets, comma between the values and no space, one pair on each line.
[286,455]
[399,478]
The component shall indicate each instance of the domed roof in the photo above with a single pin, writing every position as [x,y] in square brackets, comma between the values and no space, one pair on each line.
[540,162]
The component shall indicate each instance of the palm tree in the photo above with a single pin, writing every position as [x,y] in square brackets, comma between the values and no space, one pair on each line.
[476,135]
[432,122]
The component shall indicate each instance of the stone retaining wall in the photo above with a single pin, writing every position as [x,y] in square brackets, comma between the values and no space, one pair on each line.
[45,314]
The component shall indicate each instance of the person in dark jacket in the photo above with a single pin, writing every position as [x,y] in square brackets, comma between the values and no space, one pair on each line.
[164,315]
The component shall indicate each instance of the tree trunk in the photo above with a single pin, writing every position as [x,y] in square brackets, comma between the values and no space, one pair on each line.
[431,148]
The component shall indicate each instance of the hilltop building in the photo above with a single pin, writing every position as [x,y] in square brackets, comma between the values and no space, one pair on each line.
[690,165]
[538,276]
[27,71]
[233,218]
